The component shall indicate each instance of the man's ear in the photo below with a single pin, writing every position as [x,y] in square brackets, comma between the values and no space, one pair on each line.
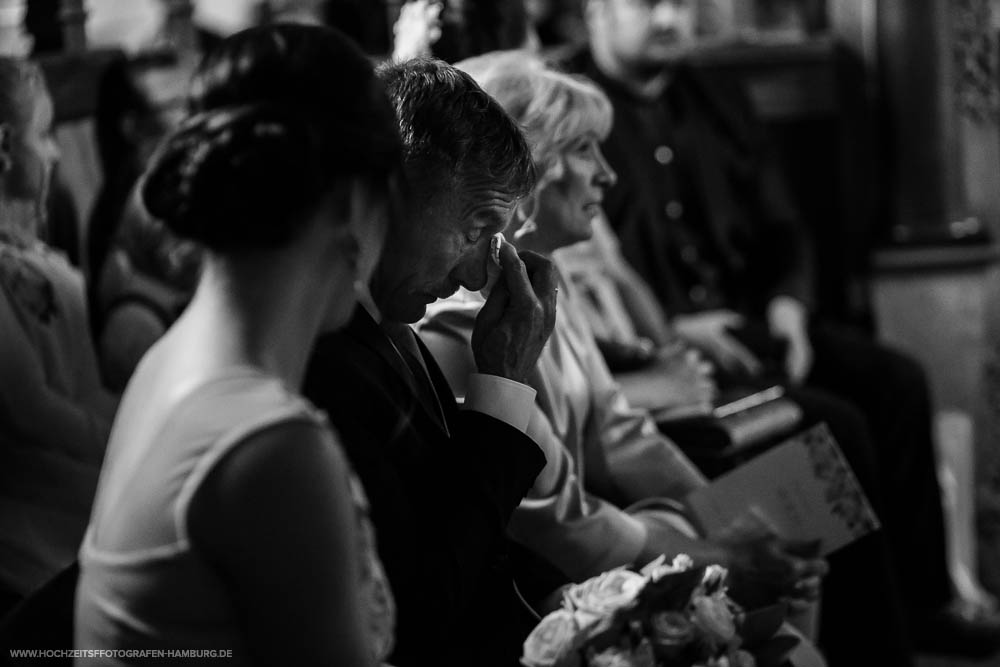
[6,156]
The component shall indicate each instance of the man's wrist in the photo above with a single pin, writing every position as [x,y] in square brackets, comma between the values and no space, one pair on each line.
[501,398]
[483,367]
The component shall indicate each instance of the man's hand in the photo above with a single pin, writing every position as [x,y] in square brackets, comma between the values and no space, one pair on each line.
[517,318]
[787,319]
[709,331]
[765,567]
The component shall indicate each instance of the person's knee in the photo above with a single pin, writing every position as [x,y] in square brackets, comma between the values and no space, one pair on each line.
[845,420]
[850,429]
[904,377]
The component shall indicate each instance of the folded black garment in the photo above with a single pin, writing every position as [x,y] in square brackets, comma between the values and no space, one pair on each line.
[746,423]
[626,357]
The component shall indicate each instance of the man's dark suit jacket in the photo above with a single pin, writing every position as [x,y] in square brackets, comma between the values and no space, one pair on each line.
[700,205]
[441,493]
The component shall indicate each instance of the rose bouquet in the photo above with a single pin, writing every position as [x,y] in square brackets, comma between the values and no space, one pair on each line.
[665,615]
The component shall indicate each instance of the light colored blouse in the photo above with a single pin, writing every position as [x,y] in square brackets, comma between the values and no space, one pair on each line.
[43,317]
[602,454]
[54,413]
[145,588]
[595,267]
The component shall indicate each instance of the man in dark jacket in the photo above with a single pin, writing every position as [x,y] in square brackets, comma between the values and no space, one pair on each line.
[703,215]
[442,480]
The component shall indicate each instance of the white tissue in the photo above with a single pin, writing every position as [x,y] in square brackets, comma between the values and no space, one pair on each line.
[493,269]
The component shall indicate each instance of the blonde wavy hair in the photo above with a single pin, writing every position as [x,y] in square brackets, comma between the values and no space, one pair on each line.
[553,109]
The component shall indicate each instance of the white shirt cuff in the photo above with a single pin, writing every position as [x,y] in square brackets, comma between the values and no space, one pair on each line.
[500,398]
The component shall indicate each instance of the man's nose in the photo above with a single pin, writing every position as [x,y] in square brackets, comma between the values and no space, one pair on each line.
[471,271]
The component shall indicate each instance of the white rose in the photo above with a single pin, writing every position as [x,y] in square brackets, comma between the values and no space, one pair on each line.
[552,640]
[607,592]
[714,579]
[658,568]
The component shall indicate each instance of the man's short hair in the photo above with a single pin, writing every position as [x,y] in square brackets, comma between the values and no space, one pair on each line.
[453,130]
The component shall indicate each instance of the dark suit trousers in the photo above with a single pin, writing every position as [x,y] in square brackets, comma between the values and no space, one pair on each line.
[887,393]
[862,616]
[877,404]
[891,391]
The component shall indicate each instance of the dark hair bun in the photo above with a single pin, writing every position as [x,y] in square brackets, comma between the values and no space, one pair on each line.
[230,177]
[285,116]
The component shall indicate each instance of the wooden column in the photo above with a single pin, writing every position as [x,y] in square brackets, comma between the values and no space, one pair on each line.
[944,160]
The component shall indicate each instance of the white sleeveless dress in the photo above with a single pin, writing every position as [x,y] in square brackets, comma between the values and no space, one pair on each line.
[150,590]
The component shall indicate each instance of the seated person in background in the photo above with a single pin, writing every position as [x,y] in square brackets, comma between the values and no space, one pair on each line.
[227,516]
[442,481]
[148,278]
[704,217]
[139,100]
[602,455]
[54,412]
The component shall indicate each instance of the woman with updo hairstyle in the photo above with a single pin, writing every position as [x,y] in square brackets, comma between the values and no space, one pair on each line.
[227,517]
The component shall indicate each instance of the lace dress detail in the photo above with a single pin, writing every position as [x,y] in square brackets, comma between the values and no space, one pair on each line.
[374,583]
[375,591]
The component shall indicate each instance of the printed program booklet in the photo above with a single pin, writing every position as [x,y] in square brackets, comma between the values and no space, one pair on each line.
[804,487]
